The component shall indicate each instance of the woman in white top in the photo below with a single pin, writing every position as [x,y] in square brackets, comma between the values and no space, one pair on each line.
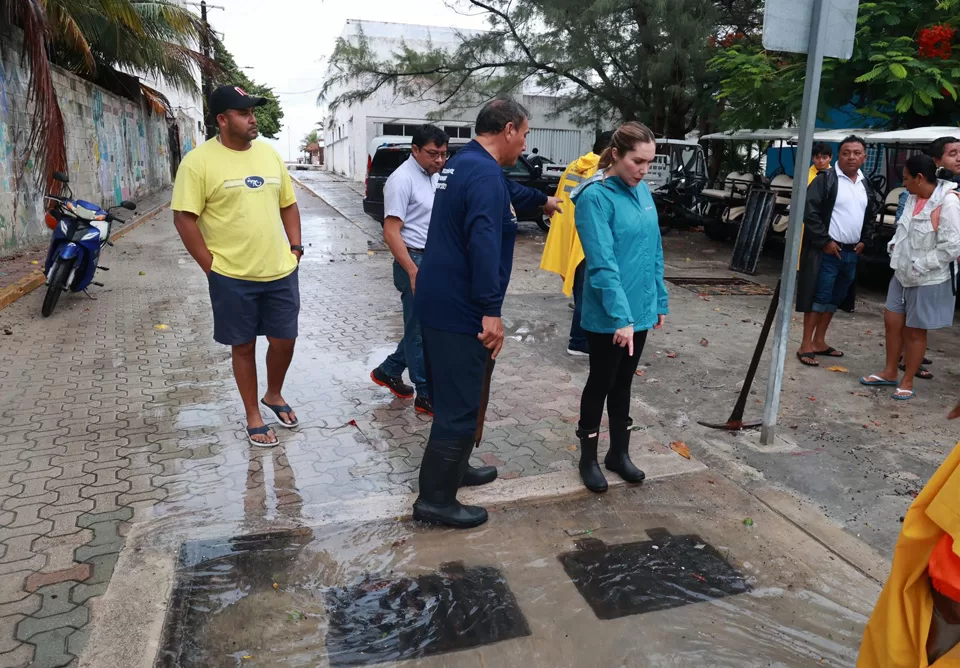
[923,255]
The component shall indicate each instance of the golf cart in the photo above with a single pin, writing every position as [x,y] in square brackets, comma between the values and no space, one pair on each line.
[725,204]
[677,176]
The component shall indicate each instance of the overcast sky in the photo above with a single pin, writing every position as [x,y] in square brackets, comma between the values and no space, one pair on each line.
[286,43]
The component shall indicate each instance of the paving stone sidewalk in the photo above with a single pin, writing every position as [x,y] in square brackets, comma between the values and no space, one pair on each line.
[109,418]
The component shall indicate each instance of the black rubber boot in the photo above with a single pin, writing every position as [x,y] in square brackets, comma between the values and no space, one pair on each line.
[618,458]
[475,476]
[589,468]
[443,466]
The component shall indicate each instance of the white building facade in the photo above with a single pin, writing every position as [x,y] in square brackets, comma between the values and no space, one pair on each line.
[350,129]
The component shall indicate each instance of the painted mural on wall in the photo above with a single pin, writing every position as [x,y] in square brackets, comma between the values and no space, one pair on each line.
[116,149]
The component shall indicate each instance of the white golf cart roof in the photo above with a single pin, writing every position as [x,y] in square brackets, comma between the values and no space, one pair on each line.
[771,134]
[921,136]
[678,142]
[837,136]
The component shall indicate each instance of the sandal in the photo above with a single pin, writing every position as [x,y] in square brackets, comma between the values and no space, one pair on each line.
[808,359]
[904,395]
[876,381]
[922,373]
[261,431]
[829,352]
[282,409]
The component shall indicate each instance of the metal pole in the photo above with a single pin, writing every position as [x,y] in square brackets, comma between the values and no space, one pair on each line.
[798,201]
[204,77]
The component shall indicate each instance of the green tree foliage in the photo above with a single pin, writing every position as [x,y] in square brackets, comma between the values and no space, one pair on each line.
[93,37]
[312,137]
[632,59]
[270,115]
[891,76]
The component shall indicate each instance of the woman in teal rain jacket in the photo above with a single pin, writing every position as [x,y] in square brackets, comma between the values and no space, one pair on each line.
[624,295]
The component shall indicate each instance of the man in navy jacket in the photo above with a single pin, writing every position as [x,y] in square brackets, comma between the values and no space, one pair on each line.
[460,288]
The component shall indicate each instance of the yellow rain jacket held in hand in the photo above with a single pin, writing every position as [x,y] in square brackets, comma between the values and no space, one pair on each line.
[896,635]
[563,253]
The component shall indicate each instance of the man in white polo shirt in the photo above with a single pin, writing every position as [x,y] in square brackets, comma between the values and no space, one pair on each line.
[841,216]
[407,206]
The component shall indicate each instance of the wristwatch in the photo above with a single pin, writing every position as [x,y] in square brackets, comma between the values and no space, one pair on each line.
[294,247]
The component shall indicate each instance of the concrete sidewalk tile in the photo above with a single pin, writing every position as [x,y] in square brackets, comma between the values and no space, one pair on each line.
[52,648]
[75,618]
[21,657]
[77,573]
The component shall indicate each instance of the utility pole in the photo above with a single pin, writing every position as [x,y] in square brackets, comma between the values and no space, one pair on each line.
[205,86]
[204,76]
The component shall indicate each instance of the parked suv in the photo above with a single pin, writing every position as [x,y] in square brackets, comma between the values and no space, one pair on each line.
[393,151]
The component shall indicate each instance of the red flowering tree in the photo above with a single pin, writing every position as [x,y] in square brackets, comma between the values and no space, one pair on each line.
[905,69]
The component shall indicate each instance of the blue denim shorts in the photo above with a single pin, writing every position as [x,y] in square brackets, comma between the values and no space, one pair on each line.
[244,310]
[833,283]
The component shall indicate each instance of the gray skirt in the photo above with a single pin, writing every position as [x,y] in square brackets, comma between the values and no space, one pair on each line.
[926,306]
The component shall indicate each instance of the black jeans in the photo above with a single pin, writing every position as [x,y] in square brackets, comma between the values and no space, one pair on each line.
[611,375]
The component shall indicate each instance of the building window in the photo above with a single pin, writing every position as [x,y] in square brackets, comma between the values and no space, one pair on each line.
[456,131]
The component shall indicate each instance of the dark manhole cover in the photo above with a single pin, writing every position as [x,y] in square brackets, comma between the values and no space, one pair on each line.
[393,619]
[222,608]
[658,574]
[713,285]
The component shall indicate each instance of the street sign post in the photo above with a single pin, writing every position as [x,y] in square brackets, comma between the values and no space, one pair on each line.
[826,27]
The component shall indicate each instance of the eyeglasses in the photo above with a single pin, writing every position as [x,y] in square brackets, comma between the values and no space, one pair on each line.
[435,154]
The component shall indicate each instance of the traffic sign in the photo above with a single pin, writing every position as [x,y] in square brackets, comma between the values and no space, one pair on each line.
[786,26]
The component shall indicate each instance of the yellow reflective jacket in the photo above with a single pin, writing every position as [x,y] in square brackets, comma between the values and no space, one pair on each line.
[896,635]
[563,252]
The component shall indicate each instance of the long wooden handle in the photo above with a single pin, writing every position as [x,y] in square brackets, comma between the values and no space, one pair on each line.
[484,398]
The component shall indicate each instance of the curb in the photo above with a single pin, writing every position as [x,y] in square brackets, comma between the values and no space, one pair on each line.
[30,283]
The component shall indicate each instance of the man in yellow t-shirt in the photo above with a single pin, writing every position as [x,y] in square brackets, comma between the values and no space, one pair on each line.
[236,212]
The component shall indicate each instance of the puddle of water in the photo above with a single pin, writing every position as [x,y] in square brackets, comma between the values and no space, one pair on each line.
[514,594]
[657,574]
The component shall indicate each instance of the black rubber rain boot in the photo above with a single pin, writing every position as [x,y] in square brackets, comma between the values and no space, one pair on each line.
[589,468]
[440,474]
[618,458]
[475,476]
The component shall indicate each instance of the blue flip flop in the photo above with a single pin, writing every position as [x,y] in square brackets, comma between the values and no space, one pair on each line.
[282,409]
[876,381]
[896,395]
[261,431]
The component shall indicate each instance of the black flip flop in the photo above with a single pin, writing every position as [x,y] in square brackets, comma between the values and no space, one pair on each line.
[923,372]
[808,359]
[829,352]
[261,431]
[282,409]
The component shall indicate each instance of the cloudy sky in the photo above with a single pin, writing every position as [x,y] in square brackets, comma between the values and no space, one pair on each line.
[285,43]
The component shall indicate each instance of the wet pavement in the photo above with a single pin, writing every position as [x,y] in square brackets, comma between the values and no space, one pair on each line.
[640,577]
[121,440]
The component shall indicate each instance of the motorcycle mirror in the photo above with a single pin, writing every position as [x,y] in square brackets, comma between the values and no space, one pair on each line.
[61,177]
[127,204]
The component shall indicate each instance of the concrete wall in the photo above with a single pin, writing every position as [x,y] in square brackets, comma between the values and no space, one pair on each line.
[116,149]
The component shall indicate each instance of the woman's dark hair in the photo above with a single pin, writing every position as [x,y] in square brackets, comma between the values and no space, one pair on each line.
[822,149]
[938,146]
[425,134]
[923,165]
[624,139]
[495,115]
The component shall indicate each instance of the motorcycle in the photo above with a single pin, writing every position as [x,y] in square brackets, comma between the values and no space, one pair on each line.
[80,231]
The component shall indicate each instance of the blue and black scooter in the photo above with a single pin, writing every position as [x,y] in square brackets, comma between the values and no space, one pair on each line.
[80,231]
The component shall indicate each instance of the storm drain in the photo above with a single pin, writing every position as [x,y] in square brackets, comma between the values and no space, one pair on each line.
[394,619]
[658,574]
[721,286]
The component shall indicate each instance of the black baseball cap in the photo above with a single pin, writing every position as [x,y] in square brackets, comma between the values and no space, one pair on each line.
[233,97]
